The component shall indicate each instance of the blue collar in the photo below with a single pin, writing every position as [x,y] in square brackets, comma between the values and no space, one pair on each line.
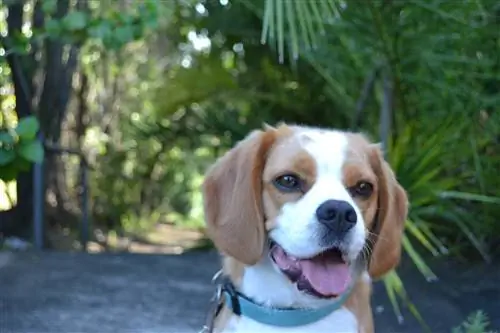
[283,317]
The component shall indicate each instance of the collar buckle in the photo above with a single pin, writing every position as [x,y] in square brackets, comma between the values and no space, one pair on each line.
[215,305]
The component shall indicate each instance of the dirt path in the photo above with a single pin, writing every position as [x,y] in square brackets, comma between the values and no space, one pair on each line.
[161,239]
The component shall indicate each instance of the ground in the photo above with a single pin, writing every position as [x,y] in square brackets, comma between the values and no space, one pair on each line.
[56,292]
[162,238]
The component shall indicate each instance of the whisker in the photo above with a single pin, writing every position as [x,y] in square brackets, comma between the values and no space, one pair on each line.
[378,236]
[367,250]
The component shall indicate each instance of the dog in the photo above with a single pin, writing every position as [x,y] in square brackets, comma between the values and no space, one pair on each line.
[304,218]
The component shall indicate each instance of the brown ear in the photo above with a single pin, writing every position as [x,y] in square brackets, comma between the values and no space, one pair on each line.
[392,213]
[232,193]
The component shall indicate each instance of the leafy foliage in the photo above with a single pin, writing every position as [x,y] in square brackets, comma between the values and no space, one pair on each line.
[476,322]
[436,69]
[112,29]
[163,88]
[19,148]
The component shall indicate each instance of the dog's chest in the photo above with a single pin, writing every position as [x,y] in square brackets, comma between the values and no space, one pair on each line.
[340,321]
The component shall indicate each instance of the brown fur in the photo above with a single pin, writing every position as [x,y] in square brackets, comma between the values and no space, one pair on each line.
[366,162]
[241,203]
[359,304]
[232,192]
[233,199]
[393,210]
[286,157]
[237,231]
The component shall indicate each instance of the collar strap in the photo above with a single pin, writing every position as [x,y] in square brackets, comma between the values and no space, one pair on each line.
[282,317]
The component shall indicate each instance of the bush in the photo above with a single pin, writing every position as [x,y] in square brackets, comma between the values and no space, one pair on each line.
[476,322]
[19,147]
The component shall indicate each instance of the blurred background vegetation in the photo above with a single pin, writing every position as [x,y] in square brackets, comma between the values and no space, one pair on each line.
[151,92]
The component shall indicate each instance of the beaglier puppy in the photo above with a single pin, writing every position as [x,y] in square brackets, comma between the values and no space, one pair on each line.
[304,218]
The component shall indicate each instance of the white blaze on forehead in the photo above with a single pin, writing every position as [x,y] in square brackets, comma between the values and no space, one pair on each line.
[328,148]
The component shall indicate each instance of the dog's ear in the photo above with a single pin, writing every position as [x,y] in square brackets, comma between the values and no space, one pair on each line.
[392,213]
[232,195]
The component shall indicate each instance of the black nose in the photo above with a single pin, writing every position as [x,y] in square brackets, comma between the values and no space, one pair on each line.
[337,215]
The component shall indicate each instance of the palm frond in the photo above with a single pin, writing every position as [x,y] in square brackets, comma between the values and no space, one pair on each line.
[439,65]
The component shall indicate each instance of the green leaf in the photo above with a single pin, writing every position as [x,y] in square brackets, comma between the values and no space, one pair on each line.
[21,164]
[75,20]
[32,151]
[101,30]
[124,34]
[49,6]
[8,172]
[418,260]
[459,218]
[6,156]
[476,322]
[280,29]
[268,22]
[425,229]
[469,197]
[294,44]
[395,287]
[391,293]
[53,27]
[6,138]
[418,234]
[27,128]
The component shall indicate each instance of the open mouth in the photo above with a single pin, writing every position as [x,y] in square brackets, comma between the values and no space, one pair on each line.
[325,275]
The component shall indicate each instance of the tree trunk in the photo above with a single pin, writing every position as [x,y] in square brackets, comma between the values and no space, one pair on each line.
[82,122]
[18,220]
[56,88]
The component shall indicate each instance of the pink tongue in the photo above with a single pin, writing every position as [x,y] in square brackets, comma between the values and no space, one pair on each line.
[326,275]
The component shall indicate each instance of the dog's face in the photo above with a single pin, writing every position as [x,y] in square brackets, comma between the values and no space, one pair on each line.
[307,198]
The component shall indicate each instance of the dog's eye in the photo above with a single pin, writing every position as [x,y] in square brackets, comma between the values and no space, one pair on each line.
[288,183]
[362,189]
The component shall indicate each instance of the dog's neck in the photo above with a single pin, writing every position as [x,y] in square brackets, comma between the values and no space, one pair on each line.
[265,285]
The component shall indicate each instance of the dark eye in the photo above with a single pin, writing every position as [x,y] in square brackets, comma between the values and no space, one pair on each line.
[362,189]
[288,183]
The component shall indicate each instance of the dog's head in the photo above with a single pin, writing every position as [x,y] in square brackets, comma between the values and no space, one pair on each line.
[307,198]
